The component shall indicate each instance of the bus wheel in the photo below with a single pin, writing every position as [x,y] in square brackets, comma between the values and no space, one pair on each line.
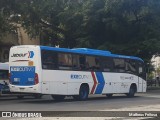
[132,91]
[83,93]
[37,96]
[109,95]
[58,97]
[20,96]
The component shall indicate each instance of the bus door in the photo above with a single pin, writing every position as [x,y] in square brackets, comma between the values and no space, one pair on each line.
[140,77]
[45,87]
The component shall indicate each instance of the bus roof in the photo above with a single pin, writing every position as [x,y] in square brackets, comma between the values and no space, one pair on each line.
[4,66]
[89,52]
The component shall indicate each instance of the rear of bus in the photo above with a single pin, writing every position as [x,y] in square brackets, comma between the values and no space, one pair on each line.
[24,69]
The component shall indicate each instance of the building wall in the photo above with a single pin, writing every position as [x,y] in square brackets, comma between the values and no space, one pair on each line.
[20,37]
[156,62]
[4,54]
[8,40]
[24,39]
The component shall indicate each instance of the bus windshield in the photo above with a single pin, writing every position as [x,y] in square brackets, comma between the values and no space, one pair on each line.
[3,74]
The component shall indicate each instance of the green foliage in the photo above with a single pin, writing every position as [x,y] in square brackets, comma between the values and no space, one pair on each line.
[8,14]
[126,27]
[150,76]
[129,27]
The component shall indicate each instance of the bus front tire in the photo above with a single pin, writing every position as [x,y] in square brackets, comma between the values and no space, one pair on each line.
[109,95]
[132,91]
[83,93]
[58,97]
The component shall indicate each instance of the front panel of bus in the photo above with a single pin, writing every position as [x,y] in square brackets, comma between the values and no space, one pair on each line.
[24,71]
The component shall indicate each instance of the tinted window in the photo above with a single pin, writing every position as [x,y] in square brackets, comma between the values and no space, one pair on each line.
[130,66]
[49,60]
[83,62]
[3,74]
[65,61]
[107,64]
[119,65]
[76,62]
[141,70]
[92,63]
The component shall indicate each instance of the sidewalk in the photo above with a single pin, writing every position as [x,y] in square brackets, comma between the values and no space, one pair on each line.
[153,89]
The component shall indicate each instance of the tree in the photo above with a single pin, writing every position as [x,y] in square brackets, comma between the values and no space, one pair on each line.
[129,27]
[8,14]
[125,27]
[54,20]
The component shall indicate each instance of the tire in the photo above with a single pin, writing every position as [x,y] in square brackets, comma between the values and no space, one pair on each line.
[83,93]
[58,97]
[132,91]
[109,95]
[20,96]
[37,96]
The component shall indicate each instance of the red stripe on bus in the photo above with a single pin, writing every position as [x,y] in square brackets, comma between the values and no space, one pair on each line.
[20,60]
[95,82]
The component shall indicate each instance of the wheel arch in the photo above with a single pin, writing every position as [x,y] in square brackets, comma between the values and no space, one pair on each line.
[134,85]
[85,84]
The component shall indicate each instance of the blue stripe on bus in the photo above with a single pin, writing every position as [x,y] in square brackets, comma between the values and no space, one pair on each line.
[101,83]
[22,75]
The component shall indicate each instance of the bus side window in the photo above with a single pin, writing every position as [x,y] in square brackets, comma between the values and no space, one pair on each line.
[130,66]
[97,63]
[92,63]
[49,60]
[141,70]
[119,65]
[75,59]
[107,64]
[82,62]
[65,61]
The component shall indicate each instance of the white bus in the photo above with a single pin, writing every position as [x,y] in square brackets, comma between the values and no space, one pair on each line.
[79,72]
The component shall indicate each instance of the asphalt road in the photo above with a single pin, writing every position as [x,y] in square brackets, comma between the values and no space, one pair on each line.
[94,103]
[116,107]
